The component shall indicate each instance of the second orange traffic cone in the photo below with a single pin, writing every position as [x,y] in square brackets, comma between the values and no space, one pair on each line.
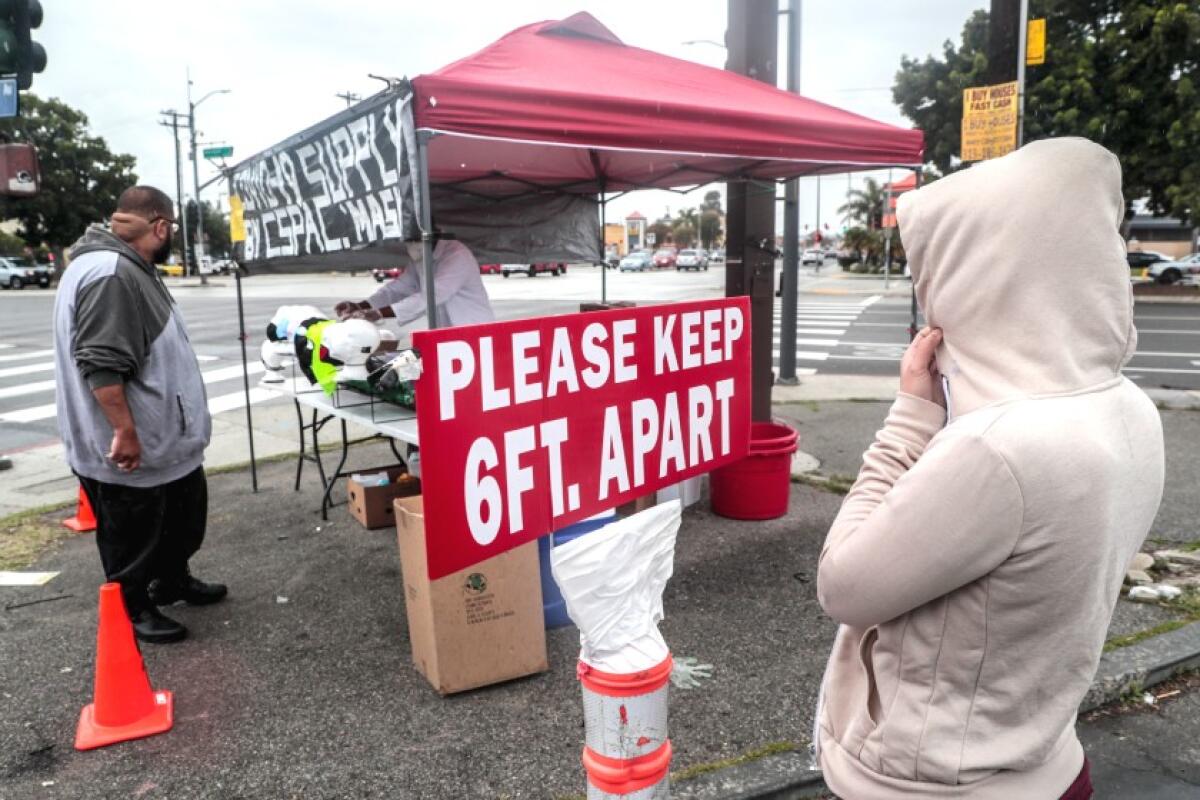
[84,520]
[125,706]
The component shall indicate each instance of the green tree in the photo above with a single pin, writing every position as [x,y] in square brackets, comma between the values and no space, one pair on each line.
[865,206]
[712,202]
[661,228]
[1123,73]
[11,245]
[81,177]
[710,227]
[216,229]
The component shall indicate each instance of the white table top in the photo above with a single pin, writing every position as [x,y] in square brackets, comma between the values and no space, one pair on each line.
[389,420]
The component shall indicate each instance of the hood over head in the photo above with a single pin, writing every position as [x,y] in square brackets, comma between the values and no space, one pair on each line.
[1020,261]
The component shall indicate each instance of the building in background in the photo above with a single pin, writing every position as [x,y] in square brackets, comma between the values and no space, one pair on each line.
[1165,235]
[635,232]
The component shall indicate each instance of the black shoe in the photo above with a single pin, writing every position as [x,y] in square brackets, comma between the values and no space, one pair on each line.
[191,591]
[151,625]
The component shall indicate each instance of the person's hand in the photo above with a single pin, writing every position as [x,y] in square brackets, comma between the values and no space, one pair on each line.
[125,451]
[369,314]
[347,307]
[919,374]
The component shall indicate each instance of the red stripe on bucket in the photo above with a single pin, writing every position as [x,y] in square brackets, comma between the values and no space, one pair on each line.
[759,485]
[629,684]
[625,776]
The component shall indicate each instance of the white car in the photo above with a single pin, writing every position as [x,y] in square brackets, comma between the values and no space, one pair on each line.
[1175,271]
[813,256]
[691,259]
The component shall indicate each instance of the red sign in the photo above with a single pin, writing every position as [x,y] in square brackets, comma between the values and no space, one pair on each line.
[530,425]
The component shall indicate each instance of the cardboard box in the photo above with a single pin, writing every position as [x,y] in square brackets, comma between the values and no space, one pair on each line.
[372,505]
[475,627]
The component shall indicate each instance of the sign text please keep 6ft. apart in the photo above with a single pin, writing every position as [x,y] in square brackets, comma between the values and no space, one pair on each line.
[528,426]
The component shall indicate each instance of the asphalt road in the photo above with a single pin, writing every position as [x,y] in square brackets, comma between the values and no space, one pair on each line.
[840,336]
[848,333]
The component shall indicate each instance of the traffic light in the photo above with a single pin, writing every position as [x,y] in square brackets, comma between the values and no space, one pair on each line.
[19,54]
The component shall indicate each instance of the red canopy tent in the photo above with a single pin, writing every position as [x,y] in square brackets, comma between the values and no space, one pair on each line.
[566,104]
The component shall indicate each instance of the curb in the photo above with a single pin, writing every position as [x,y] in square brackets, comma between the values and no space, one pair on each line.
[787,776]
[1143,665]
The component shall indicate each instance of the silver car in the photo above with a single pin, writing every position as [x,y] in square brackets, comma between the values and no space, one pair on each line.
[691,259]
[1187,267]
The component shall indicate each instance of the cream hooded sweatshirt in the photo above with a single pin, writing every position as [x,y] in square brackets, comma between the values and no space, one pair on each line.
[976,562]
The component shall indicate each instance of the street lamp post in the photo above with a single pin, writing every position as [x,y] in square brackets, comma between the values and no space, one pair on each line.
[199,239]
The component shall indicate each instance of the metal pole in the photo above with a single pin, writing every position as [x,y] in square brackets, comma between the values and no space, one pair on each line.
[1022,37]
[196,181]
[887,246]
[426,212]
[603,245]
[237,273]
[791,223]
[912,328]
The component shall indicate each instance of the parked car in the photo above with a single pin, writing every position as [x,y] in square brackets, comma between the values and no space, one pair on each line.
[665,258]
[691,259]
[1175,271]
[717,257]
[17,272]
[637,261]
[533,270]
[490,269]
[386,274]
[813,256]
[1140,259]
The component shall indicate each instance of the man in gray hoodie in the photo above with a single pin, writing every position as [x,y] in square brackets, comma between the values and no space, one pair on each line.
[133,412]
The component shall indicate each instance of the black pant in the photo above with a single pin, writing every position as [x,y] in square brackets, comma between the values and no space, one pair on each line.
[148,533]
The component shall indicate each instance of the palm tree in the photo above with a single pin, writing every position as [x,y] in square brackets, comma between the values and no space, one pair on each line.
[866,205]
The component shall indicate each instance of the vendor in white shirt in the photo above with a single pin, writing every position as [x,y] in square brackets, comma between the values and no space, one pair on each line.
[457,285]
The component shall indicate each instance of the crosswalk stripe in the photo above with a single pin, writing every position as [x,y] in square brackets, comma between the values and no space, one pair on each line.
[26,369]
[27,354]
[812,342]
[49,410]
[820,331]
[27,388]
[228,402]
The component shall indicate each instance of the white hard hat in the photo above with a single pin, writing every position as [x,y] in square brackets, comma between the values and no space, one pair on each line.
[351,342]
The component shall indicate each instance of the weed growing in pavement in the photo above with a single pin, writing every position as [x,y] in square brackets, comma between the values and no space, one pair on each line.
[1133,700]
[837,484]
[26,535]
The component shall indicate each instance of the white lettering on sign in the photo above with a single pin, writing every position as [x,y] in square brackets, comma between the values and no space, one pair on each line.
[482,490]
[612,458]
[525,365]
[562,364]
[645,436]
[456,369]
[700,409]
[596,375]
[623,371]
[492,398]
[671,455]
[554,433]
[519,479]
[664,348]
[691,339]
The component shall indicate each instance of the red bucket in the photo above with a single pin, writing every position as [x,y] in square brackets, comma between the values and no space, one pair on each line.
[758,486]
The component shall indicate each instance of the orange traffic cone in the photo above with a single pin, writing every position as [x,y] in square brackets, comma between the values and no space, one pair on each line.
[84,520]
[125,706]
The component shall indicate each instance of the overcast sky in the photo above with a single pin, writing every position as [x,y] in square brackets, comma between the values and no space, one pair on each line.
[122,62]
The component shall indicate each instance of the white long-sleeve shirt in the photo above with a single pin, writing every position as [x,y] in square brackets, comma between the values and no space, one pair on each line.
[457,286]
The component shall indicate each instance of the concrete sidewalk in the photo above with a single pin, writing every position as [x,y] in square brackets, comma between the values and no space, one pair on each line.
[300,685]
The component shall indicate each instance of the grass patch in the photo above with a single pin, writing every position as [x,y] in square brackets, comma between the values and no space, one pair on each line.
[864,400]
[771,749]
[1117,642]
[1189,547]
[27,535]
[837,484]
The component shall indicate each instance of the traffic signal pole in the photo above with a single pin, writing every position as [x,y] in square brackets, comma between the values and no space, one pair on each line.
[183,222]
[750,235]
[791,222]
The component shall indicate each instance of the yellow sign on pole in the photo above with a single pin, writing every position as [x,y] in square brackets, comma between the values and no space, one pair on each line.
[989,122]
[237,224]
[1035,43]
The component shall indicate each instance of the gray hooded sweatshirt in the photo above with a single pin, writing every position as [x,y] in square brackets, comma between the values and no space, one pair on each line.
[115,322]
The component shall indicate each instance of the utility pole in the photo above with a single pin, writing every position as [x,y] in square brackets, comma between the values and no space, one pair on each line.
[791,221]
[1023,38]
[1008,24]
[179,175]
[750,233]
[196,174]
[350,97]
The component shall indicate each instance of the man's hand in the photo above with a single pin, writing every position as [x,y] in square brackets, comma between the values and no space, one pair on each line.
[126,450]
[344,309]
[919,374]
[370,315]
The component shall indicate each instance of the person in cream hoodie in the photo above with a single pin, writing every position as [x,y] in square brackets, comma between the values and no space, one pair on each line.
[976,562]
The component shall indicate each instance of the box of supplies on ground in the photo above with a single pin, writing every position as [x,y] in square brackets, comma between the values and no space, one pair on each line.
[478,626]
[370,495]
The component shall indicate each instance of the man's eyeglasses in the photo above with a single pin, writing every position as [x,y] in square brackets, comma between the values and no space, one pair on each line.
[174,224]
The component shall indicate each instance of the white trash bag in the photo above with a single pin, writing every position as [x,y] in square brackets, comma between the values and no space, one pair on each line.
[612,580]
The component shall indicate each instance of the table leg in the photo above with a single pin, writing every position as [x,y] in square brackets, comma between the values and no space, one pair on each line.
[326,504]
[300,459]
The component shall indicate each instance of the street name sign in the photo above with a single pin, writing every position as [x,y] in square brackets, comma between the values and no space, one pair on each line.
[218,152]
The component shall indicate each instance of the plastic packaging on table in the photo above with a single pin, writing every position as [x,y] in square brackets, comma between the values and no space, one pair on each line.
[371,479]
[612,581]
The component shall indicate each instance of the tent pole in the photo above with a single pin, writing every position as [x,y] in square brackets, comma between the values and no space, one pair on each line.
[426,212]
[237,273]
[603,245]
[791,223]
[912,328]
